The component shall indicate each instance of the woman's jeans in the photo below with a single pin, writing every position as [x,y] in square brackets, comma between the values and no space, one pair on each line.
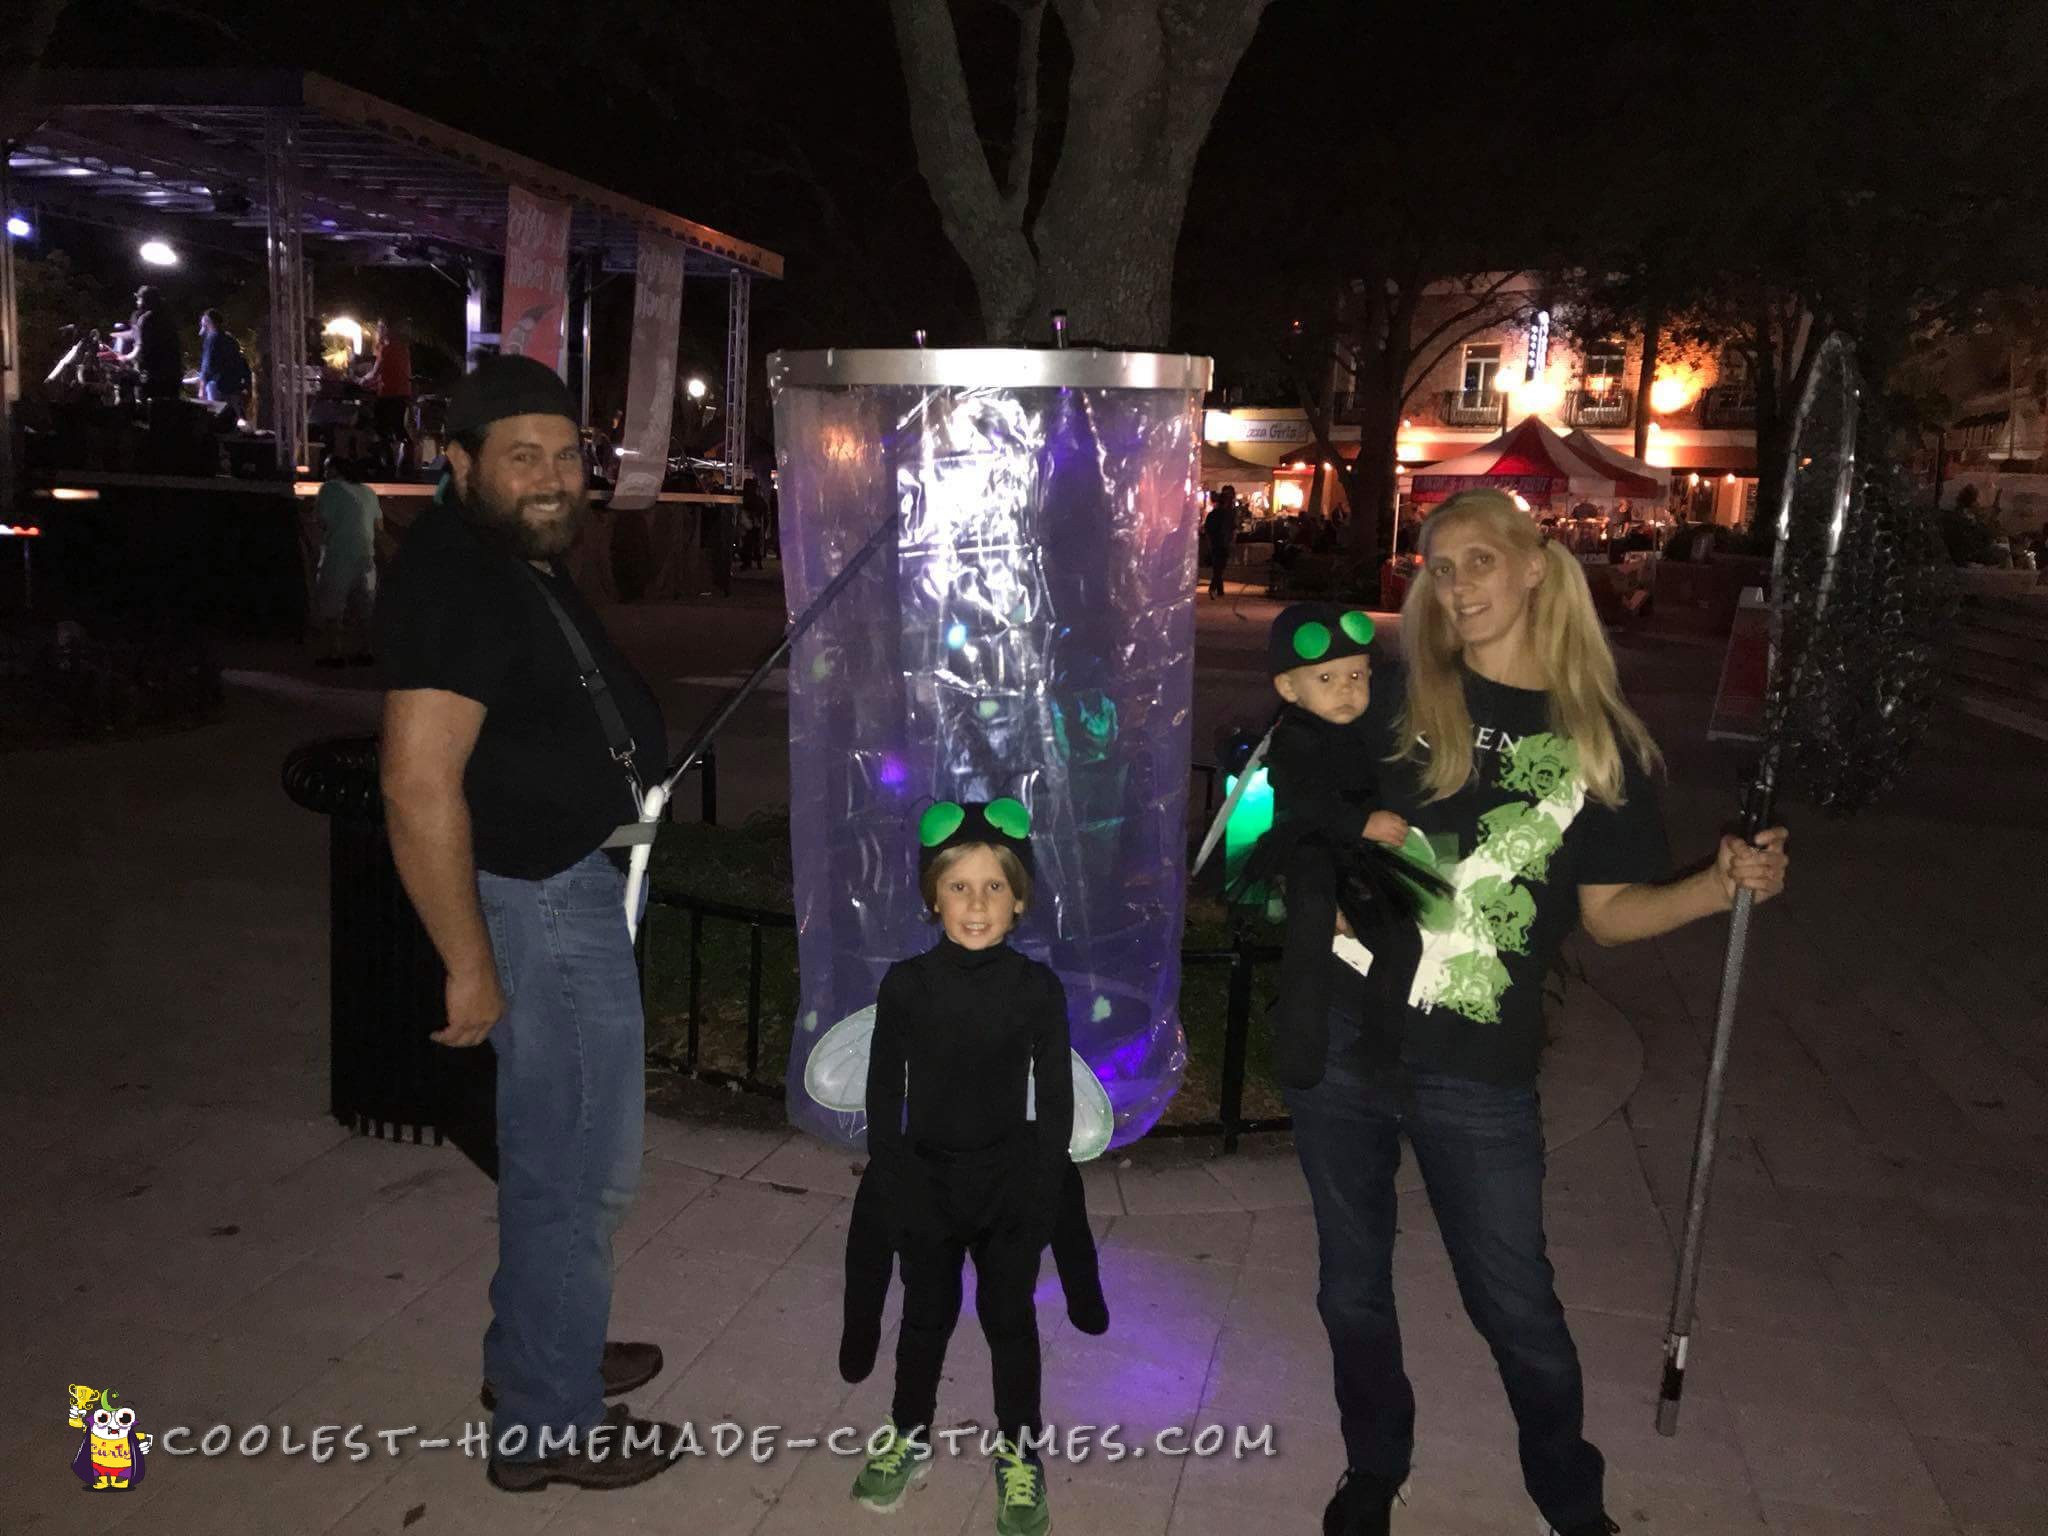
[571,1110]
[1480,1148]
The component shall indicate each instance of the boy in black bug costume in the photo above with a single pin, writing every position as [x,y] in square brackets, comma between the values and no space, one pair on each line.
[958,1031]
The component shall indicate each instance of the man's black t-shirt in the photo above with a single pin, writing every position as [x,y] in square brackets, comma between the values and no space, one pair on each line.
[1516,844]
[462,615]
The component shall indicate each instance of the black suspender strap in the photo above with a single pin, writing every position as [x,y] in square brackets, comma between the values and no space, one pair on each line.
[616,737]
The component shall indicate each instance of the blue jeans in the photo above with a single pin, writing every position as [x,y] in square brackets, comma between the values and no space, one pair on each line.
[572,1102]
[1480,1147]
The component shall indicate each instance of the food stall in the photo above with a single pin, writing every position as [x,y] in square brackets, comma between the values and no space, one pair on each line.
[1546,476]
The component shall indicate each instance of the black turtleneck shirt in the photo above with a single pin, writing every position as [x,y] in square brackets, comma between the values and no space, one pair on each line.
[964,1028]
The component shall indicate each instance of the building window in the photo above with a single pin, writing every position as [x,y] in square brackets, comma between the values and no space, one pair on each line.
[1604,361]
[1482,365]
[1734,379]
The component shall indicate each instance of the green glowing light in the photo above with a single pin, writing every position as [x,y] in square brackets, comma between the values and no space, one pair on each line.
[1249,821]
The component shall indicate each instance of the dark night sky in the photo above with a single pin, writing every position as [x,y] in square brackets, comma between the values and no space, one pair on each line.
[784,121]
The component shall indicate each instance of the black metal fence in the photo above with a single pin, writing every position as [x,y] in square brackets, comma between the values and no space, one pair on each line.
[1241,958]
[389,1080]
[757,920]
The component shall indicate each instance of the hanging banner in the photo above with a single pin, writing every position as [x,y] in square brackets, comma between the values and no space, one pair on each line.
[536,278]
[650,371]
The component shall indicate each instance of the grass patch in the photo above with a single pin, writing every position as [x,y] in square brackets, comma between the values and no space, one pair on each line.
[749,866]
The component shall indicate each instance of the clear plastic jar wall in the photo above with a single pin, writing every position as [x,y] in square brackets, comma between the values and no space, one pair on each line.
[1029,631]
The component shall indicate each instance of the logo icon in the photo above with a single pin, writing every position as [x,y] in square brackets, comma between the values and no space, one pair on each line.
[111,1454]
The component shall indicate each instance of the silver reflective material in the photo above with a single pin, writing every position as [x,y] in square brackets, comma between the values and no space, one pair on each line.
[1028,632]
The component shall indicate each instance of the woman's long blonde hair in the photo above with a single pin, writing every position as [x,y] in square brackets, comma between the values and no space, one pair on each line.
[1586,705]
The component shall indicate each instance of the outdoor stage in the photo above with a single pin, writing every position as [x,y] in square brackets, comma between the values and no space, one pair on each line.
[279,168]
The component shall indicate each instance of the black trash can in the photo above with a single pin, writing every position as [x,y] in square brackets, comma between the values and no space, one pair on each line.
[388,1078]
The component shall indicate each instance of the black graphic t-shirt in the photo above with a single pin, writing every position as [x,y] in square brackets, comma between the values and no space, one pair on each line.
[1516,844]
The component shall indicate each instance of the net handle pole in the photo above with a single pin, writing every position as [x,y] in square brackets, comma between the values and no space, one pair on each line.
[727,706]
[1834,360]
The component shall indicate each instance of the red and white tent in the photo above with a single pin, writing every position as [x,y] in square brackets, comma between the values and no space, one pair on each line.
[1632,476]
[1530,460]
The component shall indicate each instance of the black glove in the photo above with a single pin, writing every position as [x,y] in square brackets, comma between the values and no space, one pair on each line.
[1301,1023]
[870,1262]
[1073,1255]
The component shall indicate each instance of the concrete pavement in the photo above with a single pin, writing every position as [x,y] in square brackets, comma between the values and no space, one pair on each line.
[186,1227]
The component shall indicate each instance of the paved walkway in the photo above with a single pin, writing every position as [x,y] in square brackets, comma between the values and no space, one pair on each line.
[185,1225]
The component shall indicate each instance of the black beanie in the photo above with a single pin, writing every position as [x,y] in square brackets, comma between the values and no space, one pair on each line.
[1308,633]
[507,386]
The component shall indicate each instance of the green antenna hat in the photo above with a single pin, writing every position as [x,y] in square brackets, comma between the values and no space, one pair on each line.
[1308,633]
[1002,823]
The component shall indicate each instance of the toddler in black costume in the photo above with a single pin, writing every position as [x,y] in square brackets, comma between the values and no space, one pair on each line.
[959,1031]
[1331,846]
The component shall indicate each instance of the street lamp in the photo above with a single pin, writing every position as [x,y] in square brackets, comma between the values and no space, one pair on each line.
[158,253]
[19,227]
[697,389]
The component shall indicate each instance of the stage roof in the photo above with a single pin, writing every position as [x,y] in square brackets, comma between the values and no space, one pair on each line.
[183,148]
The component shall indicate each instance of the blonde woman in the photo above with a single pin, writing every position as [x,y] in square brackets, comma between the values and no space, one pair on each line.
[1516,755]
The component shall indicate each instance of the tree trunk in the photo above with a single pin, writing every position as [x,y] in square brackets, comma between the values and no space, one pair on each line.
[1384,358]
[1369,483]
[1106,258]
[1328,460]
[1788,340]
[1646,372]
[1147,76]
[1372,491]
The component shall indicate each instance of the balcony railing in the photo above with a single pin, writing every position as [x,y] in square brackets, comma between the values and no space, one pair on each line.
[1728,405]
[1600,408]
[1469,408]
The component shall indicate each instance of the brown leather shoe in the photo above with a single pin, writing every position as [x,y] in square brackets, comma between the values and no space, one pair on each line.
[626,1367]
[600,1461]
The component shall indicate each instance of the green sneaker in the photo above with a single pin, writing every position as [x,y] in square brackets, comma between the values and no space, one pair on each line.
[1021,1509]
[891,1472]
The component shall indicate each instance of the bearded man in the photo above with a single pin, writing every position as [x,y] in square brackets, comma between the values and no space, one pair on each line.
[515,741]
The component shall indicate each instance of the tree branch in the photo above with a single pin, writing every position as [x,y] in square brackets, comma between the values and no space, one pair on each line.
[972,209]
[1483,301]
[1204,40]
[1024,134]
[1318,422]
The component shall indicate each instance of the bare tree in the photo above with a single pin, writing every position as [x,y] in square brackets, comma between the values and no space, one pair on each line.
[1374,339]
[1095,232]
